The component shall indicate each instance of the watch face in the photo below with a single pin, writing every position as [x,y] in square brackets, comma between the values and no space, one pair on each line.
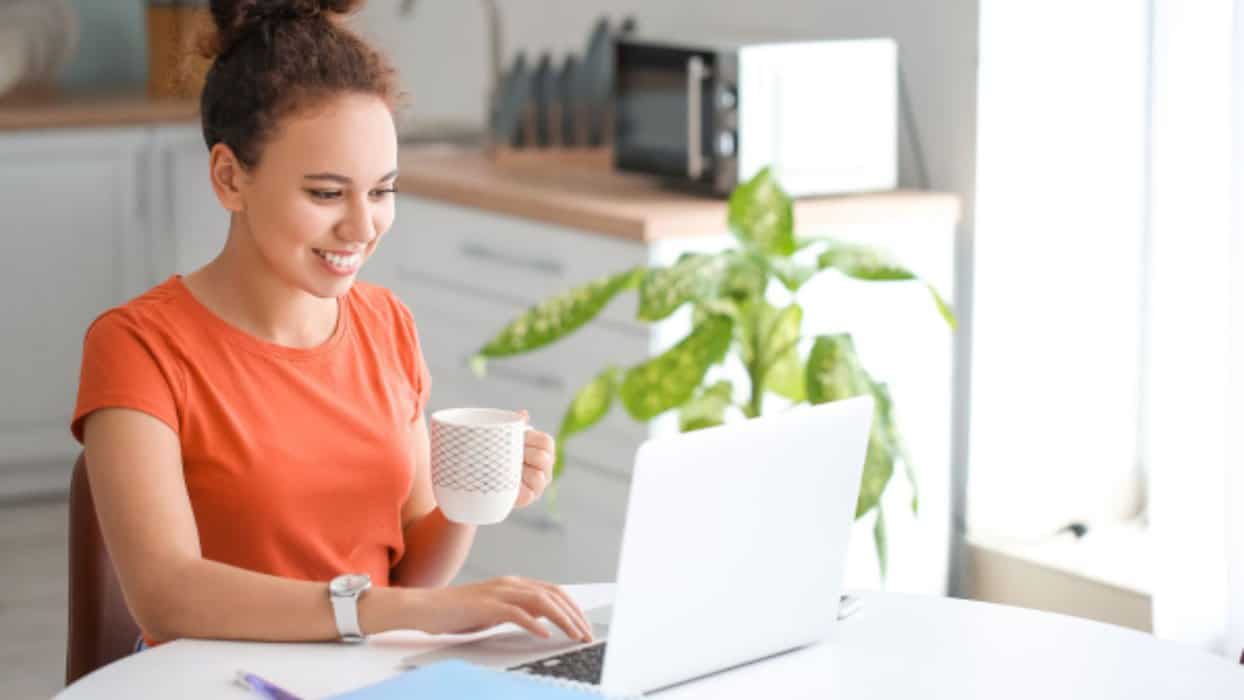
[349,584]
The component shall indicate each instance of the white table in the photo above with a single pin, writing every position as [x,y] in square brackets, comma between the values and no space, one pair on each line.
[896,646]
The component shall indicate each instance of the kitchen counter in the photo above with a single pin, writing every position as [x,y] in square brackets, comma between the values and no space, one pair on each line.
[583,197]
[624,205]
[85,110]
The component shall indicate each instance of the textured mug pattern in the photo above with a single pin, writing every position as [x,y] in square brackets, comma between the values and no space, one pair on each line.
[477,458]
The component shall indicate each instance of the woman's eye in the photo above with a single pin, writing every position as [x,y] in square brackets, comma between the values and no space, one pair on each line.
[325,194]
[381,193]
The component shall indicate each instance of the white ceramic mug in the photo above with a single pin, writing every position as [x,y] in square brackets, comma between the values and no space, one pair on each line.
[477,462]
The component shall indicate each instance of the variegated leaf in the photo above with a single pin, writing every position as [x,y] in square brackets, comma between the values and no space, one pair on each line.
[555,318]
[669,380]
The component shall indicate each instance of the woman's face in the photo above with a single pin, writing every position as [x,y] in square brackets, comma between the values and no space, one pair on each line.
[322,193]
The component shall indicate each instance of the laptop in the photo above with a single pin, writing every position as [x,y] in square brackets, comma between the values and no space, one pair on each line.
[733,551]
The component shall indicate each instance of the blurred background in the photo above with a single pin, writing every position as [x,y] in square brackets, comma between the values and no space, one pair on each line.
[1077,439]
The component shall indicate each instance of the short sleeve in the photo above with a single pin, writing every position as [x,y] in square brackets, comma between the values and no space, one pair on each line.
[412,356]
[123,367]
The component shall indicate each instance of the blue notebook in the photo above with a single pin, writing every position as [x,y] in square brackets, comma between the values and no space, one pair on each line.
[454,679]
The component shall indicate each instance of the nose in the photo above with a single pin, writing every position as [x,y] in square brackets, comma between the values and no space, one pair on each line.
[358,224]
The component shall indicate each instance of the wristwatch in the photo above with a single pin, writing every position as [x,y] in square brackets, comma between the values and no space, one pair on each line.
[344,592]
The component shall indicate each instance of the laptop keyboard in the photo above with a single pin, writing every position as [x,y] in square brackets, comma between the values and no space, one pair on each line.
[583,664]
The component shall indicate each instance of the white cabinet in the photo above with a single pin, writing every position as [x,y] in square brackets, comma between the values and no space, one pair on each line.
[75,243]
[92,218]
[189,225]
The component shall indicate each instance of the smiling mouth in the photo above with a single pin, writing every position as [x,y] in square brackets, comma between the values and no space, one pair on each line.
[341,262]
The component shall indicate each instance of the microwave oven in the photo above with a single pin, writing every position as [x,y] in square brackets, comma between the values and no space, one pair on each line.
[711,114]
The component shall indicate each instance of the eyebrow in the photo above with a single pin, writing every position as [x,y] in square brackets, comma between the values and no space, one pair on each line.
[343,179]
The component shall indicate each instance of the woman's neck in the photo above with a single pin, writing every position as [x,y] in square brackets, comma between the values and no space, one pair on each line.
[240,287]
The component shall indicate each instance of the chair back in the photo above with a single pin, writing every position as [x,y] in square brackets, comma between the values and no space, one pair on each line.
[101,629]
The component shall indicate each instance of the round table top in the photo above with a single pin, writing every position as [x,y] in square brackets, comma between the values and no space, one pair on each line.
[896,646]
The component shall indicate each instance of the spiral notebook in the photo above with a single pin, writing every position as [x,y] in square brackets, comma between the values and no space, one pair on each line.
[455,679]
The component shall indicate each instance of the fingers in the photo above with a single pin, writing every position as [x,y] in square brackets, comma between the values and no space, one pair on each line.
[541,603]
[538,458]
[522,618]
[534,439]
[571,609]
[535,479]
[525,496]
[541,599]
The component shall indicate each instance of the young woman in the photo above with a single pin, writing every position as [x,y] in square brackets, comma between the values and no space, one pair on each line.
[254,430]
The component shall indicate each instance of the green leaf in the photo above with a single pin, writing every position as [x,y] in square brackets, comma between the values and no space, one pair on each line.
[792,274]
[762,216]
[479,366]
[894,441]
[834,371]
[745,278]
[879,540]
[873,265]
[943,308]
[668,380]
[554,318]
[755,316]
[663,290]
[878,468]
[863,263]
[708,408]
[588,406]
[782,370]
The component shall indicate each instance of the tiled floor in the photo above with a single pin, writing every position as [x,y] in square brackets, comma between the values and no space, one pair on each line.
[33,563]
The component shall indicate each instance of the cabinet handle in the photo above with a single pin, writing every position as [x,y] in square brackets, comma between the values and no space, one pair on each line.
[538,381]
[482,252]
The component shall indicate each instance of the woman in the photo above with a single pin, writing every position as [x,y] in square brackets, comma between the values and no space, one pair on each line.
[255,429]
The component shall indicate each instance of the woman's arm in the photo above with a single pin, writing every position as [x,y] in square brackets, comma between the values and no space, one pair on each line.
[435,546]
[135,471]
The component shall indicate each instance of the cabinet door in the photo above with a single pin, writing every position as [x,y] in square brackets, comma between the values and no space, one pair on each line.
[75,244]
[190,224]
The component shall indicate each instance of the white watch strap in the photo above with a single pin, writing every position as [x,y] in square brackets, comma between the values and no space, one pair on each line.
[346,613]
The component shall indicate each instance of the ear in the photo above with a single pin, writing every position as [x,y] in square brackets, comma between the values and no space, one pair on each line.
[228,177]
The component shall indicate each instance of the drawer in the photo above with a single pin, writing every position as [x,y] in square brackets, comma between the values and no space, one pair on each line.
[527,543]
[510,257]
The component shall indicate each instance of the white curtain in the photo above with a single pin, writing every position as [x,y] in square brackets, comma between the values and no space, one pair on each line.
[1193,374]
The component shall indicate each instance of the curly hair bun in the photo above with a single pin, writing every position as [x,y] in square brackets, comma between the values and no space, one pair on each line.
[234,18]
[272,58]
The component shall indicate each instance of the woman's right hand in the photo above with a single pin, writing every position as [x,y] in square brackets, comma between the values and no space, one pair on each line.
[476,606]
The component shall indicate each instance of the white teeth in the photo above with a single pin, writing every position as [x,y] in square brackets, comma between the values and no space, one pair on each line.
[344,262]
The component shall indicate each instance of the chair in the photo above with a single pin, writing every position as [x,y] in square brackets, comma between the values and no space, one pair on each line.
[101,629]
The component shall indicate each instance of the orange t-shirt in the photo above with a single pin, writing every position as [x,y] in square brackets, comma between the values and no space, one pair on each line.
[297,461]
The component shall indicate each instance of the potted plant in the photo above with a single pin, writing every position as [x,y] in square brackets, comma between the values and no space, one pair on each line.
[732,313]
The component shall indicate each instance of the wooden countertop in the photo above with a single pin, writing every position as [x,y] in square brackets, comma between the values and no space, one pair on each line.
[66,110]
[624,205]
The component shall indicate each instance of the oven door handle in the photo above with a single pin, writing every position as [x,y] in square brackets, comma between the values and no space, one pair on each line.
[696,73]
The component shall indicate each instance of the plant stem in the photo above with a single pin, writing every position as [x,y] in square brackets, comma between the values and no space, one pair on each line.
[758,392]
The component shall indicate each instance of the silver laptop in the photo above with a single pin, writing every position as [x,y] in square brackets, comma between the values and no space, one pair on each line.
[733,550]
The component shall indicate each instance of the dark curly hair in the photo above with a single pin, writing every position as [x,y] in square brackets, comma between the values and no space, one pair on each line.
[272,58]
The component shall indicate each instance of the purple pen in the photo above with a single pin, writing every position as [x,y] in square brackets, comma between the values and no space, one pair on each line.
[263,687]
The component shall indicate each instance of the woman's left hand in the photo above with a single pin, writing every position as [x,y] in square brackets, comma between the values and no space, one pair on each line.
[539,450]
